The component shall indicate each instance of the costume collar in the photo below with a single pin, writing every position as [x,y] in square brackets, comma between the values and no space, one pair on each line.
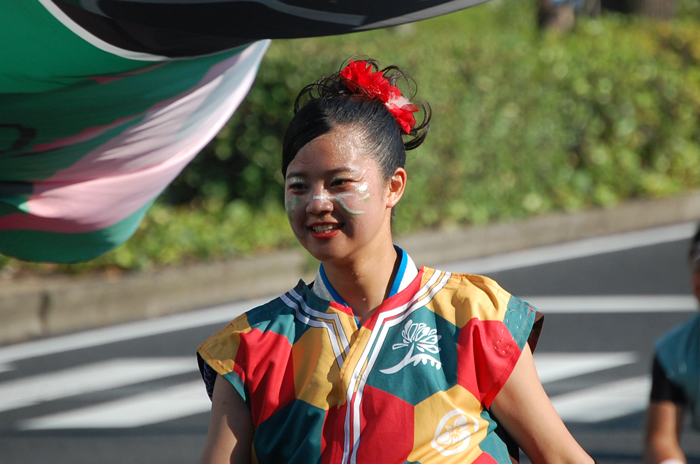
[407,271]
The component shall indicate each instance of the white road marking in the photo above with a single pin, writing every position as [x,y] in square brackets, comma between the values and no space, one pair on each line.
[557,366]
[148,408]
[613,304]
[590,405]
[89,378]
[604,402]
[218,314]
[572,250]
[226,313]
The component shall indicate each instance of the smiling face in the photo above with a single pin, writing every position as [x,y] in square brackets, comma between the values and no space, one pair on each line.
[337,201]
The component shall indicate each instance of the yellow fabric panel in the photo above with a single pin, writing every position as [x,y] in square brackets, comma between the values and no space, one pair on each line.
[448,428]
[356,349]
[219,351]
[347,321]
[467,296]
[316,371]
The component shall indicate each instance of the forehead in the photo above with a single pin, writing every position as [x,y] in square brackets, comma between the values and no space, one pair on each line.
[339,149]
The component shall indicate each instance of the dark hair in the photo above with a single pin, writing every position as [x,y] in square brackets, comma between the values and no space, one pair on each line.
[328,103]
[694,244]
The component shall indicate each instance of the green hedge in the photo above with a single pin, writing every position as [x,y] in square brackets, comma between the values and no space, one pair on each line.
[524,123]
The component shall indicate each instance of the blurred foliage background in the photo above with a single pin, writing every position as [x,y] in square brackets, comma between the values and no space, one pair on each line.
[524,122]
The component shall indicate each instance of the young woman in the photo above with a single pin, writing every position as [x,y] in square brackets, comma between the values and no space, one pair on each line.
[376,360]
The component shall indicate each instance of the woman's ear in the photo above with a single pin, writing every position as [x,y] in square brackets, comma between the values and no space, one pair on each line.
[397,184]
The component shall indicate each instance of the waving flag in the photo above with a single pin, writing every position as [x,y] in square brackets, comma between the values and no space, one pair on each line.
[104,102]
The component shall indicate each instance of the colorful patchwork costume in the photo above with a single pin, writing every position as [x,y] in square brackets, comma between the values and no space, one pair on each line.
[412,384]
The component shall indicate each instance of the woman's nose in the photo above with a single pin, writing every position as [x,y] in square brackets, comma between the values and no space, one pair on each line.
[320,202]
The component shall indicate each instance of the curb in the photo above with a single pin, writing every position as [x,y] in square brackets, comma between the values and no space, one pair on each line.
[39,307]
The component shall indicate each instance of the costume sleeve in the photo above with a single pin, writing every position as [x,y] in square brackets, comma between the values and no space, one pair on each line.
[254,354]
[662,388]
[220,355]
[491,341]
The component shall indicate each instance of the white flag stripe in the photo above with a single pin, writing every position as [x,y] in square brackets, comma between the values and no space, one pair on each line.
[557,366]
[613,303]
[149,408]
[89,378]
[604,402]
[573,250]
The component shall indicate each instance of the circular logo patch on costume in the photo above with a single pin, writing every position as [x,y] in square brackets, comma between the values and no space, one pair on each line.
[454,432]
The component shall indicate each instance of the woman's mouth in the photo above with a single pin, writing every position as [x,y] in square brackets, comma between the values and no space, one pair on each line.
[324,230]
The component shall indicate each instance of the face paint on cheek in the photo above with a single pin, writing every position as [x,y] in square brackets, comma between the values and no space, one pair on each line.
[291,204]
[341,200]
[363,191]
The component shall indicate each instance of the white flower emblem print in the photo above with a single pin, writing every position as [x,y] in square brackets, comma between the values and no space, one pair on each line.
[418,337]
[454,432]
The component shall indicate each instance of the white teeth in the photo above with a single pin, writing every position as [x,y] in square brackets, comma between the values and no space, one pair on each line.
[322,228]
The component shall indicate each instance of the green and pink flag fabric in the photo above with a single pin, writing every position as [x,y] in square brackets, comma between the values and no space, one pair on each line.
[104,102]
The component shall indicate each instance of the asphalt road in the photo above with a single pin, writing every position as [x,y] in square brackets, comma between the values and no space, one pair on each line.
[131,393]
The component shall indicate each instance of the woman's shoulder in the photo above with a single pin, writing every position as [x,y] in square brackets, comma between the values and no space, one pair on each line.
[469,284]
[261,317]
[680,342]
[475,297]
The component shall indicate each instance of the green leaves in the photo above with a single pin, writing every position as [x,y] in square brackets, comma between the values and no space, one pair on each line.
[523,123]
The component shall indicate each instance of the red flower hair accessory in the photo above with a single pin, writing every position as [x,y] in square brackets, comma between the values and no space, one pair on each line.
[359,77]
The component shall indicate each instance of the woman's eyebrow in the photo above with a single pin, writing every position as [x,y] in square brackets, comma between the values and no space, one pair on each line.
[344,170]
[336,171]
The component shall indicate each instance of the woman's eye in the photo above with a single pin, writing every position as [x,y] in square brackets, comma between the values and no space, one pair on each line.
[296,186]
[339,182]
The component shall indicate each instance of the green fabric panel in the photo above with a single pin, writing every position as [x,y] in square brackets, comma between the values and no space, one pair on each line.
[60,114]
[492,444]
[14,204]
[519,318]
[303,426]
[236,382]
[7,206]
[277,318]
[33,245]
[46,55]
[44,165]
[416,382]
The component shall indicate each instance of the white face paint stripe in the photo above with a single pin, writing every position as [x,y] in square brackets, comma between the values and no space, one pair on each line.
[359,378]
[340,199]
[361,189]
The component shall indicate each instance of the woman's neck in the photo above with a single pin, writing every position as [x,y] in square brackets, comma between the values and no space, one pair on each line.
[364,284]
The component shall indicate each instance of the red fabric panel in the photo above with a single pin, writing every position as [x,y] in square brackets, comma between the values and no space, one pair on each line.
[332,439]
[401,298]
[486,355]
[387,427]
[484,458]
[267,359]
